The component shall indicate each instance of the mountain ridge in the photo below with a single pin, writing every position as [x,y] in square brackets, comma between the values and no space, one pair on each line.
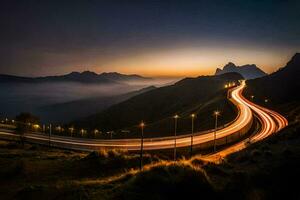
[279,87]
[82,77]
[248,71]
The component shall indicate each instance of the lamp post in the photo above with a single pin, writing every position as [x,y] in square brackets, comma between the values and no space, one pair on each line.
[216,113]
[266,101]
[71,129]
[50,130]
[96,131]
[175,134]
[192,135]
[142,125]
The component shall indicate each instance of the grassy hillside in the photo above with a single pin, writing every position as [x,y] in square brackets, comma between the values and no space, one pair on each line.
[280,87]
[34,172]
[201,95]
[265,170]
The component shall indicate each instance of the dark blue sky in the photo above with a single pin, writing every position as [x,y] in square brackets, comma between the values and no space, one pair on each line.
[54,37]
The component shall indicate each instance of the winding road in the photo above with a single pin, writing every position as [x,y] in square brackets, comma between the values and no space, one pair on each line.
[271,122]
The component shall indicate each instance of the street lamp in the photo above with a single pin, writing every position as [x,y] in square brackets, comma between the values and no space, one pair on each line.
[50,130]
[192,135]
[252,97]
[71,129]
[82,131]
[96,131]
[216,113]
[175,134]
[58,128]
[142,125]
[36,127]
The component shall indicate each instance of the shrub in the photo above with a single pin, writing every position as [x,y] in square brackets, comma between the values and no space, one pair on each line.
[167,181]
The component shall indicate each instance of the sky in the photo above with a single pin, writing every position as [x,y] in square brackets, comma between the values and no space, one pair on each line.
[150,38]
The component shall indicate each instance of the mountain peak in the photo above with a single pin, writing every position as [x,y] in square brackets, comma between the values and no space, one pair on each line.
[89,73]
[247,71]
[230,64]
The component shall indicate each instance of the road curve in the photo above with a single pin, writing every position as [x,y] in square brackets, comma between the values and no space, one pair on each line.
[271,122]
[241,122]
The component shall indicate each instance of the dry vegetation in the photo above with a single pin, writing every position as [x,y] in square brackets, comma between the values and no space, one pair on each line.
[265,170]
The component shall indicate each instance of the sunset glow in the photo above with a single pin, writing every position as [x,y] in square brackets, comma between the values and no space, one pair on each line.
[194,61]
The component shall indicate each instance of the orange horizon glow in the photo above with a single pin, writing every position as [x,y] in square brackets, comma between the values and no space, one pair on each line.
[193,62]
[176,62]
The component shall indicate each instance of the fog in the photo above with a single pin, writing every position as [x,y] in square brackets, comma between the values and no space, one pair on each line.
[30,97]
[158,82]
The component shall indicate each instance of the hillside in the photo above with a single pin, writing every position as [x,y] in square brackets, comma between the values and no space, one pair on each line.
[186,96]
[69,111]
[265,170]
[247,71]
[279,87]
[122,77]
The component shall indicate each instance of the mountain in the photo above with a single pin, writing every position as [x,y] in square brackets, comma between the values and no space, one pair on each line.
[279,87]
[68,111]
[187,95]
[83,77]
[247,71]
[115,76]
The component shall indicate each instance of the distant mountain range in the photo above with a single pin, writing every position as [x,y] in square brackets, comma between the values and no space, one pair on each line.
[83,77]
[247,71]
[279,87]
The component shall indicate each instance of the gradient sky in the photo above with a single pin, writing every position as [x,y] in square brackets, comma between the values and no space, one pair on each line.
[152,38]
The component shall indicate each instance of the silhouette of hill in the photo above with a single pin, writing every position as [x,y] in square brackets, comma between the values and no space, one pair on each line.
[68,111]
[247,71]
[279,87]
[164,102]
[115,76]
[83,77]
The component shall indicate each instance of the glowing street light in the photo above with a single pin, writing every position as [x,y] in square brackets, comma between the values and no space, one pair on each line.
[96,131]
[252,97]
[36,126]
[226,86]
[82,131]
[266,100]
[58,128]
[142,125]
[50,132]
[175,134]
[216,113]
[192,135]
[71,129]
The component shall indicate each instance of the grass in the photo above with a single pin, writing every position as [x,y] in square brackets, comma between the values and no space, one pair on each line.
[265,170]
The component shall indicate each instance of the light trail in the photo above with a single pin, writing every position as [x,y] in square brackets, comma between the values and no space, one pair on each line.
[271,122]
[241,122]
